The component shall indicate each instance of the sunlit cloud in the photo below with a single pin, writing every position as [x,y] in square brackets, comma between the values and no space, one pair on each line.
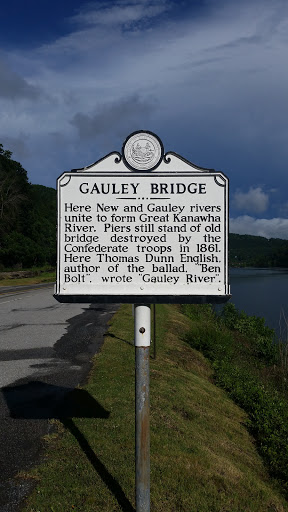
[253,201]
[269,228]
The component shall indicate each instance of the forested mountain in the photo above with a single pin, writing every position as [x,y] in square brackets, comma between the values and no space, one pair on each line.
[28,226]
[257,251]
[27,218]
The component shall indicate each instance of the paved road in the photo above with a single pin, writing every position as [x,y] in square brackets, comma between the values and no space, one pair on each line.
[45,352]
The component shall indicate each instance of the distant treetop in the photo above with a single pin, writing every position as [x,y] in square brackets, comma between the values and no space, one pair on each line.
[5,152]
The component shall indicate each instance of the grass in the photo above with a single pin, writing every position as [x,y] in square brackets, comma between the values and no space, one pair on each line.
[202,457]
[43,277]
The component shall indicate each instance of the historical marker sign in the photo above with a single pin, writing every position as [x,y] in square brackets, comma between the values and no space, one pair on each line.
[142,227]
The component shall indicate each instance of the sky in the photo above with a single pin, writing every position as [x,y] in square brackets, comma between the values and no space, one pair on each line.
[209,77]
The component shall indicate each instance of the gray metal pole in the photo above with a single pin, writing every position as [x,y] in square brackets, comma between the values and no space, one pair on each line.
[142,407]
[154,329]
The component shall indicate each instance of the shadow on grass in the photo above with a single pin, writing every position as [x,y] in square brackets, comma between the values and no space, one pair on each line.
[38,400]
[102,471]
[111,335]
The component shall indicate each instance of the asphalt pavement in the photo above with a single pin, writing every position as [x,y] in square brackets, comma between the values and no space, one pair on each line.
[45,352]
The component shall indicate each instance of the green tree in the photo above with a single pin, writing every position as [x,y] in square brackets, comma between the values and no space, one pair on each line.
[14,187]
[27,218]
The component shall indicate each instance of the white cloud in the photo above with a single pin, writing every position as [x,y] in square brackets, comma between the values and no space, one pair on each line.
[254,201]
[121,12]
[269,228]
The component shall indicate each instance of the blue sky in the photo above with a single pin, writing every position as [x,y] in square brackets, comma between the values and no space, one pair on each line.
[209,77]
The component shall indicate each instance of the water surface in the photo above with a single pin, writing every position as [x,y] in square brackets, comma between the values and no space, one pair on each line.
[261,292]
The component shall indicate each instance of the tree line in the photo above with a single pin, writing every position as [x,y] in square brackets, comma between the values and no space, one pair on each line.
[257,251]
[27,218]
[28,226]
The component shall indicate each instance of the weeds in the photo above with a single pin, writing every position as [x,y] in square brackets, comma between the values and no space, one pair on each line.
[255,329]
[242,349]
[283,348]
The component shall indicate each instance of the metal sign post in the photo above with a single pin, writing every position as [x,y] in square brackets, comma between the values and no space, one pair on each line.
[154,331]
[142,227]
[142,336]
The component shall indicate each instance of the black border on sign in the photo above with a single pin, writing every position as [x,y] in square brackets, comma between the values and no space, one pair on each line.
[142,299]
[118,158]
[151,299]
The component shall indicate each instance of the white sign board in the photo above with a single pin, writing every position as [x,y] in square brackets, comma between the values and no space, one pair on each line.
[129,235]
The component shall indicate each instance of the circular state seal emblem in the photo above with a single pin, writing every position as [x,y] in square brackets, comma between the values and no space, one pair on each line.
[142,151]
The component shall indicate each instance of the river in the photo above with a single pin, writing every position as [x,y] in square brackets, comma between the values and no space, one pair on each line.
[261,292]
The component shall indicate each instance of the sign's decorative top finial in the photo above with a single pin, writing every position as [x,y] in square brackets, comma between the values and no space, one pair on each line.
[142,151]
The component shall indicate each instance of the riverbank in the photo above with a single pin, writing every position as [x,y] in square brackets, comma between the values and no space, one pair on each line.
[202,456]
[253,370]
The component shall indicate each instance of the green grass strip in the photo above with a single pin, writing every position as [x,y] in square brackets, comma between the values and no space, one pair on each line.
[39,277]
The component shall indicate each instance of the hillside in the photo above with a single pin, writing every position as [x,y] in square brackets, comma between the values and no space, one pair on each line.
[248,250]
[27,218]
